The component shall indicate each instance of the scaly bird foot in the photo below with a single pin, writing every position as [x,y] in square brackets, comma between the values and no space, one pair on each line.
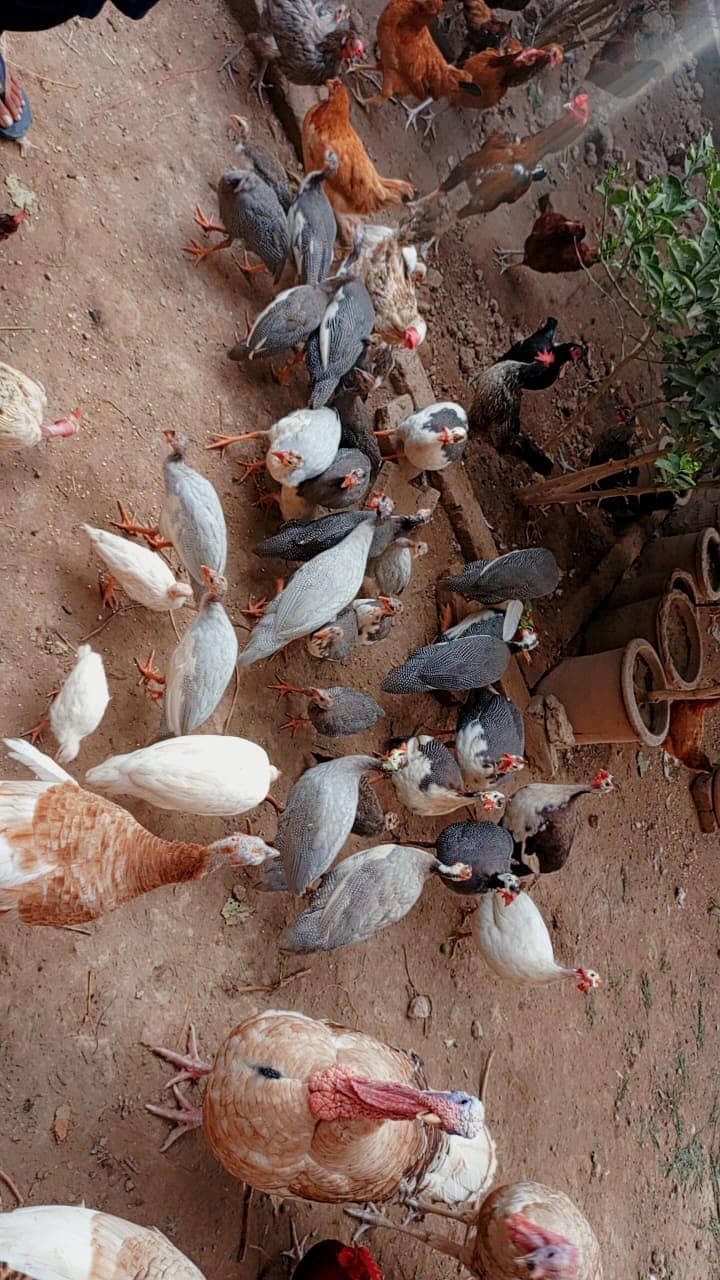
[109,592]
[204,222]
[295,723]
[192,1066]
[184,1117]
[223,442]
[284,688]
[128,524]
[248,268]
[150,675]
[36,733]
[255,608]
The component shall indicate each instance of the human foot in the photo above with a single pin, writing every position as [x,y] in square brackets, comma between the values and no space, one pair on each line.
[15,116]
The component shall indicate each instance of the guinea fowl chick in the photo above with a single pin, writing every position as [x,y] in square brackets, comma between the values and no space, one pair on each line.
[365,893]
[308,42]
[375,616]
[56,1241]
[486,849]
[302,444]
[525,574]
[312,225]
[555,244]
[336,641]
[514,940]
[286,322]
[432,437]
[333,1260]
[192,516]
[357,187]
[202,665]
[318,818]
[81,704]
[542,817]
[143,574]
[210,775]
[23,404]
[472,662]
[251,212]
[264,163]
[299,1108]
[68,856]
[427,778]
[337,345]
[523,1229]
[343,484]
[393,569]
[336,712]
[370,817]
[316,594]
[490,738]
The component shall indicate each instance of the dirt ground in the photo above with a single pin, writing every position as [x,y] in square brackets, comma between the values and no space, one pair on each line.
[615,1098]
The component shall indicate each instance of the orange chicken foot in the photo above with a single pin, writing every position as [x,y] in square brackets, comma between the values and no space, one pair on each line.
[150,675]
[192,1066]
[201,252]
[184,1117]
[295,723]
[204,222]
[283,374]
[109,592]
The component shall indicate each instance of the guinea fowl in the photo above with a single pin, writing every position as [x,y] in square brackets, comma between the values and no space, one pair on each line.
[202,665]
[336,712]
[333,1260]
[486,849]
[58,1241]
[296,1107]
[308,42]
[375,616]
[262,162]
[302,444]
[432,437]
[542,817]
[335,348]
[336,641]
[514,625]
[472,662]
[81,703]
[303,539]
[141,573]
[393,569]
[365,893]
[312,225]
[287,322]
[250,212]
[23,404]
[343,484]
[514,941]
[68,856]
[205,774]
[370,817]
[523,1229]
[427,777]
[318,817]
[490,738]
[316,594]
[520,575]
[192,515]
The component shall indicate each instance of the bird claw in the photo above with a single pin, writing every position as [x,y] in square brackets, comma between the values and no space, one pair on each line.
[184,1117]
[197,251]
[504,257]
[255,608]
[421,112]
[204,222]
[251,469]
[248,267]
[150,675]
[267,500]
[192,1066]
[223,442]
[128,524]
[36,733]
[108,592]
[284,688]
[295,723]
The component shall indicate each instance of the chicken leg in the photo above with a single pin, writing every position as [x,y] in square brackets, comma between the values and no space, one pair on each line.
[192,1066]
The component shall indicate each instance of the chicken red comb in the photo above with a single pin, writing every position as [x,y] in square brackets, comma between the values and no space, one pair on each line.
[359,1264]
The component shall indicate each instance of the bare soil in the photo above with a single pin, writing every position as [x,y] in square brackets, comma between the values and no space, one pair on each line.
[613,1098]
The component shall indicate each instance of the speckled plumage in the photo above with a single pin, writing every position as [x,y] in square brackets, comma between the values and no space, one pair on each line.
[192,515]
[469,663]
[393,569]
[489,727]
[318,818]
[251,212]
[312,226]
[336,641]
[332,488]
[340,341]
[350,711]
[518,575]
[483,846]
[433,437]
[427,777]
[200,668]
[264,163]
[303,539]
[305,39]
[286,322]
[370,818]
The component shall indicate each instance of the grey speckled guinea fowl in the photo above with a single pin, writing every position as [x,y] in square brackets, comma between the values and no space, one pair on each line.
[427,776]
[340,341]
[518,575]
[391,527]
[336,641]
[286,322]
[486,848]
[343,484]
[468,663]
[338,711]
[510,625]
[393,569]
[312,225]
[367,892]
[251,212]
[202,664]
[318,818]
[370,817]
[490,739]
[192,517]
[303,539]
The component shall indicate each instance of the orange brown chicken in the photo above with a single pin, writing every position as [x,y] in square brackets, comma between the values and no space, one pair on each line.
[297,1107]
[357,187]
[494,71]
[555,244]
[410,60]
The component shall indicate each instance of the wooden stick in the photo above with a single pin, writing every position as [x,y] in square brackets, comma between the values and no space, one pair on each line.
[683,695]
[5,1177]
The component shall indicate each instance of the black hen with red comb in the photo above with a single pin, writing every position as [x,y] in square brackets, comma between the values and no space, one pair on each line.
[333,1260]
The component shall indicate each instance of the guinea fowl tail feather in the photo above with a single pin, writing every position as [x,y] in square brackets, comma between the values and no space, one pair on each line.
[40,764]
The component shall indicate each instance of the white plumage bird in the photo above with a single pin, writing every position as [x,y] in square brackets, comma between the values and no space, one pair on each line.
[302,444]
[81,703]
[23,404]
[68,1242]
[513,937]
[207,774]
[142,574]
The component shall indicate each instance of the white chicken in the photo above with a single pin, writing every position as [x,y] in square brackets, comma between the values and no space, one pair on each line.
[513,937]
[23,404]
[302,445]
[69,1242]
[143,574]
[81,703]
[205,774]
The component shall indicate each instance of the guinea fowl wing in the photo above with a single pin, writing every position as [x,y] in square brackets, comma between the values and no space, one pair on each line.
[468,663]
[304,539]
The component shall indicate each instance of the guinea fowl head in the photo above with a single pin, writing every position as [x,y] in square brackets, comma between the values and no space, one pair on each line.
[337,1093]
[509,763]
[396,759]
[603,781]
[215,583]
[546,1255]
[177,441]
[507,886]
[452,435]
[352,479]
[287,458]
[493,801]
[587,980]
[457,871]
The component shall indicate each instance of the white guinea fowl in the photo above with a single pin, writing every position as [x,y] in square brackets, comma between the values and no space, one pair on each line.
[302,444]
[513,937]
[428,780]
[81,703]
[204,774]
[23,404]
[202,665]
[433,437]
[142,573]
[69,1242]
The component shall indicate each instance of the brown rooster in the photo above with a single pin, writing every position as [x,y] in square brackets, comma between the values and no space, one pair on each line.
[493,72]
[555,244]
[357,187]
[297,1107]
[410,60]
[9,223]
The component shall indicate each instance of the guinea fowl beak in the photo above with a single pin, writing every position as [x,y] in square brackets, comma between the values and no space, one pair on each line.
[350,481]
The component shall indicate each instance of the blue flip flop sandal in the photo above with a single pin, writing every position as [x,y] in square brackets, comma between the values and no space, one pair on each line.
[20,127]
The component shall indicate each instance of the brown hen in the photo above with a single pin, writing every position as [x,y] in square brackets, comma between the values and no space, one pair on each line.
[555,244]
[493,72]
[410,60]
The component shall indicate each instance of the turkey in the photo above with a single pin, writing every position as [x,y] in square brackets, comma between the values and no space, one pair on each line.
[542,817]
[513,938]
[297,1107]
[68,856]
